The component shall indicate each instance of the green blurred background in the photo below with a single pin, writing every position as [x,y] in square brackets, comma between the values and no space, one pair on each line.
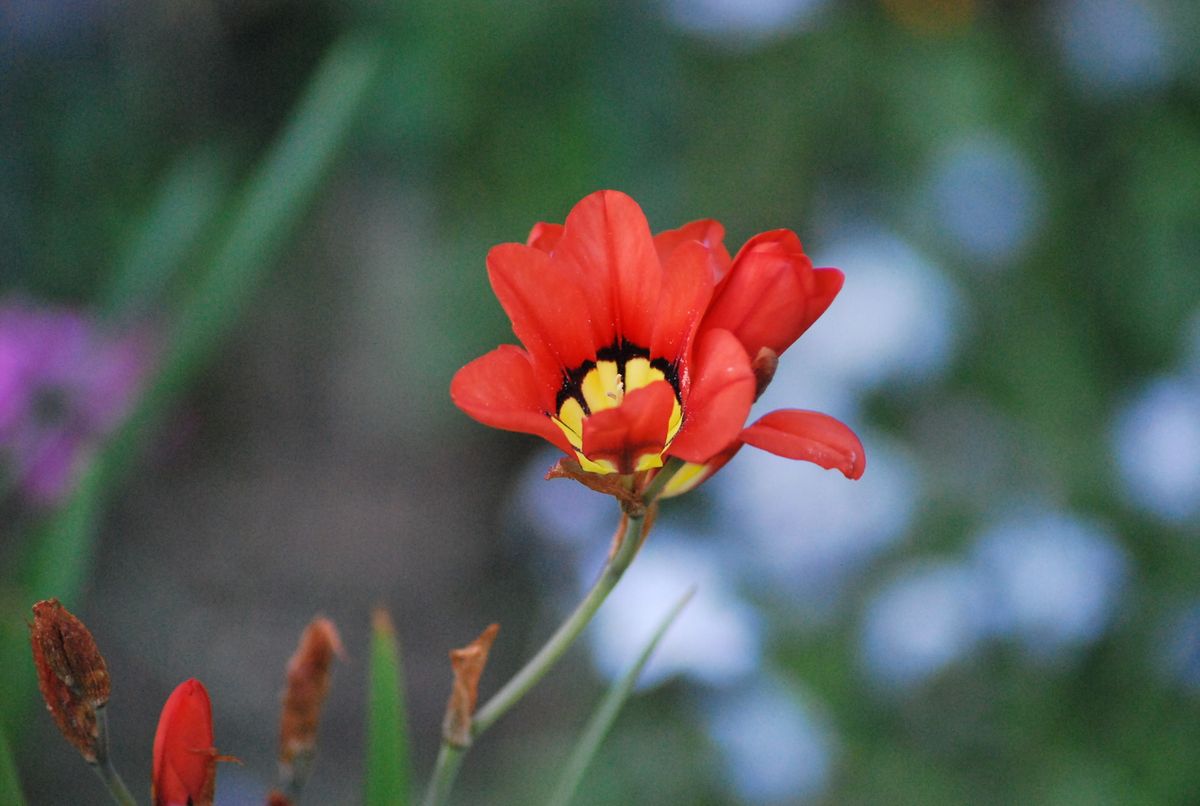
[289,204]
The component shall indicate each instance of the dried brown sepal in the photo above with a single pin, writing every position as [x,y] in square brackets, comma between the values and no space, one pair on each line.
[609,484]
[467,664]
[72,675]
[764,366]
[308,677]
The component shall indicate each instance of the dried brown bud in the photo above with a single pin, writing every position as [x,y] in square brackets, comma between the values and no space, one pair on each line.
[308,676]
[72,675]
[764,366]
[468,664]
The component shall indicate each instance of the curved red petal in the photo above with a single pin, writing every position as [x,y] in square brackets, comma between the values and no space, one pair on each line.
[500,389]
[708,232]
[546,305]
[544,236]
[765,299]
[624,434]
[184,757]
[687,288]
[718,402]
[607,240]
[811,437]
[827,283]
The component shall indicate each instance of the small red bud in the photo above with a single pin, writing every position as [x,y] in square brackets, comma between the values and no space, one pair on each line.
[185,761]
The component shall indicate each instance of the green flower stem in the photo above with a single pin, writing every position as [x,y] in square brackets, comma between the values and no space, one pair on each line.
[450,757]
[444,772]
[104,766]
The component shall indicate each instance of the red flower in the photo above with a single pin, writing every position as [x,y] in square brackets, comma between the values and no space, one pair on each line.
[185,761]
[639,348]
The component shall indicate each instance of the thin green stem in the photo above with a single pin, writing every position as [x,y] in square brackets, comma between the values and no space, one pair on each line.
[446,770]
[661,479]
[104,766]
[450,757]
[568,631]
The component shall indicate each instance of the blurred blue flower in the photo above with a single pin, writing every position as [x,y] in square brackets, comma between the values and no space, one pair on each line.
[1180,648]
[804,530]
[716,640]
[1113,46]
[561,511]
[924,619]
[1054,580]
[774,748]
[64,383]
[895,322]
[742,22]
[41,23]
[986,198]
[1156,442]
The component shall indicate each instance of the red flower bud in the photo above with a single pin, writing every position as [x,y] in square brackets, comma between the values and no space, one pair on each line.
[185,761]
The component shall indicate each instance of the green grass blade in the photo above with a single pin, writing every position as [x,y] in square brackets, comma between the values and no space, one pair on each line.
[606,714]
[10,785]
[387,725]
[185,206]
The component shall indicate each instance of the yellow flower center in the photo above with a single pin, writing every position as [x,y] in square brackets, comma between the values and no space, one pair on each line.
[603,384]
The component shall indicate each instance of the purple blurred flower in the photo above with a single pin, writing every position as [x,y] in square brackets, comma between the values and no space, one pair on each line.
[65,382]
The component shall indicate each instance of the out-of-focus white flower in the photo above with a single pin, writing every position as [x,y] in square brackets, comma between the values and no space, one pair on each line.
[1156,440]
[895,322]
[987,199]
[926,618]
[1113,46]
[716,639]
[804,529]
[774,748]
[1054,580]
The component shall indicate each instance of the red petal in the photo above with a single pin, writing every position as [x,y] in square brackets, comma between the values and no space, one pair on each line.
[544,237]
[687,288]
[500,390]
[546,305]
[708,232]
[184,758]
[771,294]
[826,285]
[627,432]
[608,241]
[719,398]
[811,437]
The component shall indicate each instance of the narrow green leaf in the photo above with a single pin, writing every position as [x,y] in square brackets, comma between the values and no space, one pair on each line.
[185,205]
[10,784]
[387,725]
[606,714]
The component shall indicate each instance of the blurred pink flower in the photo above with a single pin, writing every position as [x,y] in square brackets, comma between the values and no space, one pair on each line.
[65,382]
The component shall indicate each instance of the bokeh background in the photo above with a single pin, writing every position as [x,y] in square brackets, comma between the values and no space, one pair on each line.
[242,254]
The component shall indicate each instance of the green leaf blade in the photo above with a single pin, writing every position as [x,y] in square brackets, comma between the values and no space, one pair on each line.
[10,784]
[388,774]
[606,713]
